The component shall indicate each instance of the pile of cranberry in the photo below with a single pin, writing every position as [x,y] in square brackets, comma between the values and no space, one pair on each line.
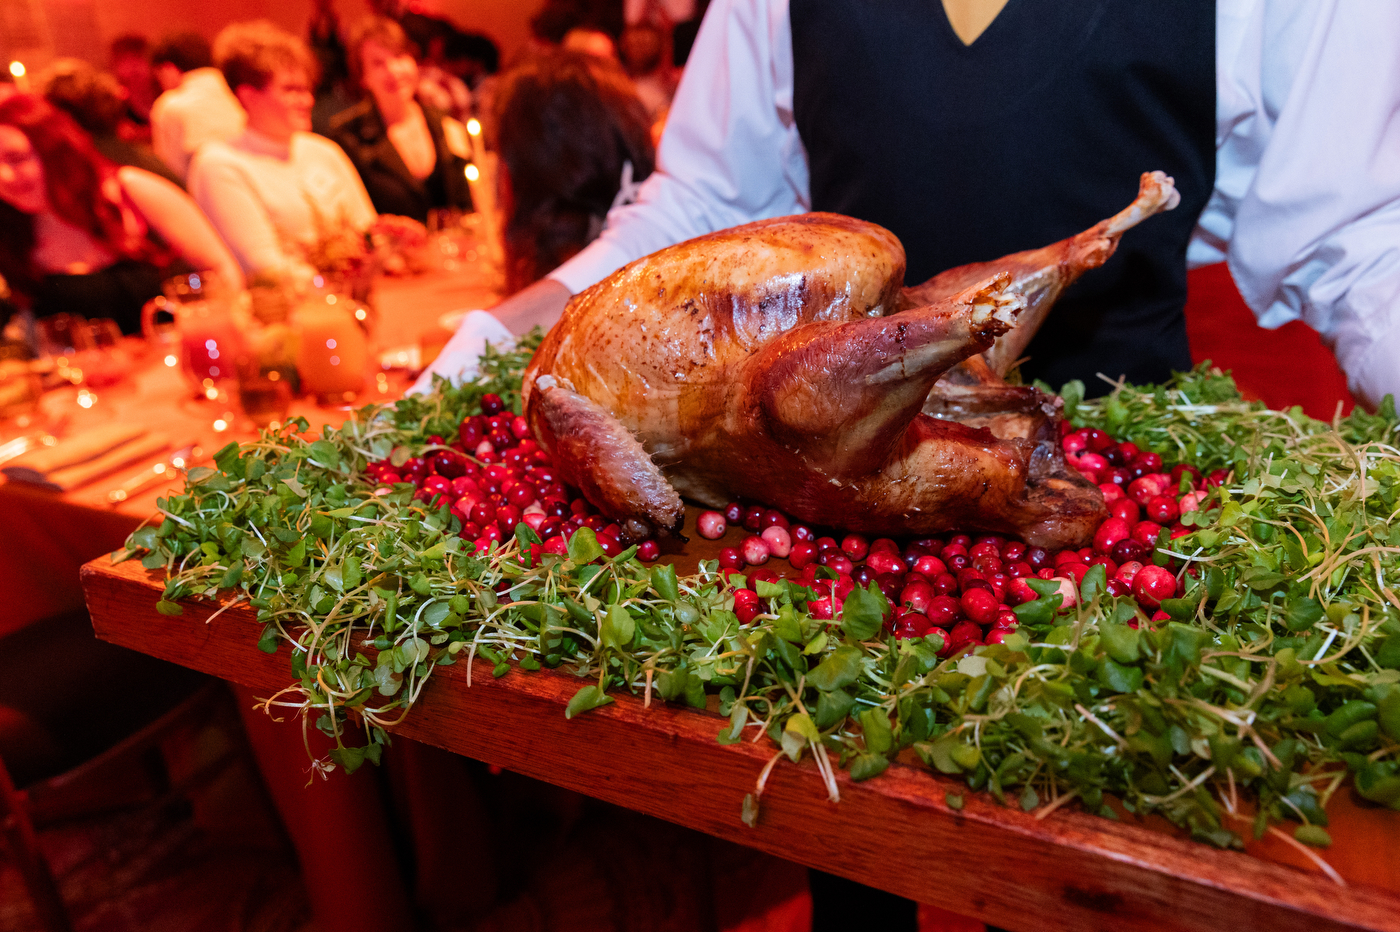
[960,588]
[494,477]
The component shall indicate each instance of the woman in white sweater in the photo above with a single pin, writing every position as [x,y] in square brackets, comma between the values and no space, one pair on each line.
[274,190]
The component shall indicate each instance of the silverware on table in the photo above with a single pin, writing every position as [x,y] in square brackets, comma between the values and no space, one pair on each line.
[13,449]
[181,460]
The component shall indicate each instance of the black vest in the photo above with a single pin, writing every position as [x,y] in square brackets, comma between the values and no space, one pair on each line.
[1036,131]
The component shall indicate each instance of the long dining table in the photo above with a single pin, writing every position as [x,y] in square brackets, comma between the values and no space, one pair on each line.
[908,831]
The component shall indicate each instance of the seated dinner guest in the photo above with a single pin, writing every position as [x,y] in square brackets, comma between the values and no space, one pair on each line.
[410,155]
[197,106]
[94,99]
[276,189]
[82,235]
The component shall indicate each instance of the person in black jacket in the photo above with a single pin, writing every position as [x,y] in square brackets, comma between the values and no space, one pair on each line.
[410,156]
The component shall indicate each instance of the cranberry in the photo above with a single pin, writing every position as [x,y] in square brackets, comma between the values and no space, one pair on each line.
[1145,533]
[449,463]
[802,554]
[1097,441]
[596,522]
[1107,563]
[996,636]
[1217,478]
[943,611]
[959,540]
[485,452]
[1067,556]
[521,495]
[1152,462]
[414,469]
[882,561]
[734,513]
[465,485]
[557,508]
[556,544]
[890,585]
[520,427]
[884,545]
[1111,493]
[773,518]
[491,404]
[911,625]
[389,477]
[778,539]
[1126,509]
[745,605]
[507,517]
[1192,501]
[826,544]
[979,605]
[1127,571]
[1046,573]
[1092,466]
[1128,551]
[580,506]
[534,520]
[1074,443]
[917,596]
[613,531]
[855,547]
[491,532]
[987,565]
[1019,592]
[939,640]
[753,519]
[1074,571]
[1128,449]
[755,551]
[863,576]
[1118,587]
[763,574]
[1163,509]
[436,485]
[957,561]
[1152,584]
[841,564]
[1111,532]
[731,559]
[1013,551]
[801,532]
[1183,469]
[1006,619]
[945,583]
[711,525]
[1037,557]
[1115,456]
[964,633]
[820,609]
[470,433]
[931,567]
[1019,569]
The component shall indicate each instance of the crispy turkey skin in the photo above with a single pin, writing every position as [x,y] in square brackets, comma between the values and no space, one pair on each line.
[783,362]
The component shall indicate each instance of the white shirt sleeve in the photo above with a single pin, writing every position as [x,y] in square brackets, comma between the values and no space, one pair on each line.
[730,152]
[168,136]
[1306,206]
[220,186]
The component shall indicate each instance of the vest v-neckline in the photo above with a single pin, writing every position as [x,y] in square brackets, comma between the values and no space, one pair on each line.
[975,40]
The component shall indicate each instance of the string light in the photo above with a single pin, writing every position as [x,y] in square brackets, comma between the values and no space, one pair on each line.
[474,126]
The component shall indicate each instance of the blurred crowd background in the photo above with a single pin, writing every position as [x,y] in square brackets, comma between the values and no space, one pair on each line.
[252,147]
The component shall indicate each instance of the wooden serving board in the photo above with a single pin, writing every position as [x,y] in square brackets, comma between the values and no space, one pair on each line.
[1068,872]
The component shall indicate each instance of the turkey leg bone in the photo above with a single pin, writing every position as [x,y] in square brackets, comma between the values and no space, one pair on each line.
[1043,274]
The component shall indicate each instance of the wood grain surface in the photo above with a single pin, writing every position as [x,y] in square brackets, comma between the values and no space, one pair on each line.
[1070,871]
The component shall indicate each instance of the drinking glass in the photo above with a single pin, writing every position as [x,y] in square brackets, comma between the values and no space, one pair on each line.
[264,392]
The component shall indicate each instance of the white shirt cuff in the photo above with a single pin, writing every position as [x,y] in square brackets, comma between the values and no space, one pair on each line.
[458,359]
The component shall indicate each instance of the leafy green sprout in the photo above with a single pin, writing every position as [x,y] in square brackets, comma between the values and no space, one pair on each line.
[1276,676]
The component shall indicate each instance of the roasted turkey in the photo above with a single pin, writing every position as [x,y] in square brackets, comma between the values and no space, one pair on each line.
[782,362]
